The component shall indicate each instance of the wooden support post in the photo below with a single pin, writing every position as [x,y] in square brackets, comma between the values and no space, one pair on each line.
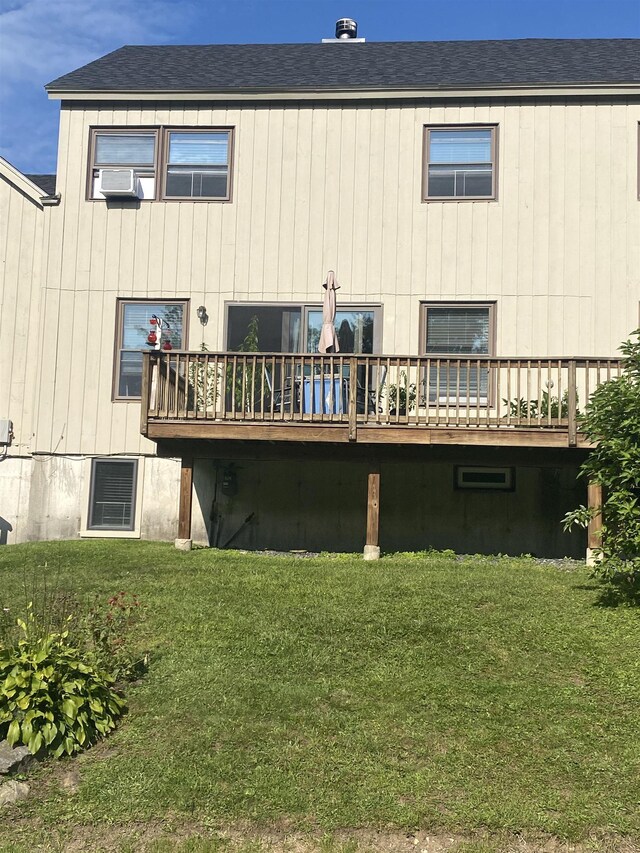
[184,511]
[145,397]
[572,406]
[371,548]
[353,399]
[594,501]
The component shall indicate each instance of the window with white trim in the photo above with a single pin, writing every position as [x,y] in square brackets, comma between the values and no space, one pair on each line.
[141,326]
[483,478]
[460,163]
[113,494]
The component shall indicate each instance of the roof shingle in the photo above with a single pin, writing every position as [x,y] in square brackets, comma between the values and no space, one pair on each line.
[45,182]
[372,65]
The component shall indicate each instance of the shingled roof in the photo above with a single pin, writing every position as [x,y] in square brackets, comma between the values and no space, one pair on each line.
[343,67]
[45,182]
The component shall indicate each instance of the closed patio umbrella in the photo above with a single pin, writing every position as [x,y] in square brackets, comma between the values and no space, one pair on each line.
[328,339]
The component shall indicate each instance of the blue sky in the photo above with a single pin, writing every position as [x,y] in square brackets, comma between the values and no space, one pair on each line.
[42,39]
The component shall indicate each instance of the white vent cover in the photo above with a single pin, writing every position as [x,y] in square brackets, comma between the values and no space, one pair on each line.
[6,432]
[118,182]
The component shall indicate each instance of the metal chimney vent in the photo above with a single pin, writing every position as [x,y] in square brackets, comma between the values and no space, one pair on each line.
[346,28]
[346,33]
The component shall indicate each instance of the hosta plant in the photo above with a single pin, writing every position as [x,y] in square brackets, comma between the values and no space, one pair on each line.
[52,697]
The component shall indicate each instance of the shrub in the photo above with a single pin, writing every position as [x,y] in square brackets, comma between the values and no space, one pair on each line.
[106,632]
[612,423]
[52,696]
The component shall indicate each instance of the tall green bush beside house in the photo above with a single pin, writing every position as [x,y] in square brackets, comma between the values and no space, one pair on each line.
[612,422]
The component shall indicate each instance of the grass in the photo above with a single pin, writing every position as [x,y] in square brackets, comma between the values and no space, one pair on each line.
[477,697]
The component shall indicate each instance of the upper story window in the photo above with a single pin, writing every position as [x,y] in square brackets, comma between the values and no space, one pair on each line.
[460,163]
[167,163]
[197,164]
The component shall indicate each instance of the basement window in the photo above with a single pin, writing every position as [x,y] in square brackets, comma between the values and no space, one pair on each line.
[484,479]
[113,491]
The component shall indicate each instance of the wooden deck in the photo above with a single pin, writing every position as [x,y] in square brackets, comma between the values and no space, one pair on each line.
[369,399]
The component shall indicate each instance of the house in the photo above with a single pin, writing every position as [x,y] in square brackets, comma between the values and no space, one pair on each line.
[162,303]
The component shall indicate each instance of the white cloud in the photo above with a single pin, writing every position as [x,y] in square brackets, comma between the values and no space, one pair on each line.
[43,39]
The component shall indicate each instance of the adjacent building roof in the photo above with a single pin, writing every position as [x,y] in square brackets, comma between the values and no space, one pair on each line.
[47,183]
[372,65]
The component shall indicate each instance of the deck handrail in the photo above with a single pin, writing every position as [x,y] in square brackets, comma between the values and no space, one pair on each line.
[465,390]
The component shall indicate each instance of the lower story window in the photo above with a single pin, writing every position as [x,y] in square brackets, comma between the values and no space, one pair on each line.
[296,328]
[142,326]
[459,335]
[112,498]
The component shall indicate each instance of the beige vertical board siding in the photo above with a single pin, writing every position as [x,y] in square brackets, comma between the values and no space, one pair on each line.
[632,272]
[574,148]
[170,270]
[428,234]
[306,280]
[106,410]
[80,371]
[510,199]
[375,218]
[257,213]
[317,187]
[526,208]
[388,283]
[408,199]
[273,177]
[318,262]
[228,213]
[558,187]
[623,175]
[332,187]
[243,205]
[185,248]
[361,191]
[21,234]
[603,214]
[588,199]
[496,210]
[390,193]
[200,253]
[97,395]
[465,274]
[541,200]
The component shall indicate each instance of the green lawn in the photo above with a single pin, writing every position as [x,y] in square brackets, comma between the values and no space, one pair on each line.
[479,697]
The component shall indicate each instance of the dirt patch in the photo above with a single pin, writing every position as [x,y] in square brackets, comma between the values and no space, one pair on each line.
[175,832]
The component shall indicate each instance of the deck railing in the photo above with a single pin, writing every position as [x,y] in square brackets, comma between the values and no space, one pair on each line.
[482,392]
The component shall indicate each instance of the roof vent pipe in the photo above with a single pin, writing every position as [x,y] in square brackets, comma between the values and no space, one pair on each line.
[346,28]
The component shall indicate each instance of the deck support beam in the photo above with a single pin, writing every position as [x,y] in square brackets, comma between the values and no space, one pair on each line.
[183,542]
[594,531]
[372,548]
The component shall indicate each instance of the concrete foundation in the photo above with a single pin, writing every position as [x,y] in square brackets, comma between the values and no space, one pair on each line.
[371,552]
[301,504]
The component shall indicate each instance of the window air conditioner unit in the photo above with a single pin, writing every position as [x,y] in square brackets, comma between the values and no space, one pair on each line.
[118,182]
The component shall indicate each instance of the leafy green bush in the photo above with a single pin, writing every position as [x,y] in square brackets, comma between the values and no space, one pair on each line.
[612,423]
[52,696]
